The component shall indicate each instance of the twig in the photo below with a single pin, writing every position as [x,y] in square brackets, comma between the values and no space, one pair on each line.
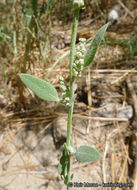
[100,118]
[105,155]
[133,93]
[126,9]
[89,97]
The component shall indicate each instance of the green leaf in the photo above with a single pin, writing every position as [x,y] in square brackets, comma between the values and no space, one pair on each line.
[41,88]
[94,45]
[87,154]
[63,165]
[71,177]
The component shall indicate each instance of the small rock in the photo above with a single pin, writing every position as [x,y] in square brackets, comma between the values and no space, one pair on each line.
[60,131]
[114,15]
[112,110]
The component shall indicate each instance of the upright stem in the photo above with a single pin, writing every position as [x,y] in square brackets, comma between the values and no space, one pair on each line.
[72,53]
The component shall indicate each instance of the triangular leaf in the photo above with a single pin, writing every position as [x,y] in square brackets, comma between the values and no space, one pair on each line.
[94,45]
[41,88]
[87,154]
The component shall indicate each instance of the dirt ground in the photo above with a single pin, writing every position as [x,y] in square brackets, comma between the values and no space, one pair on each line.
[105,117]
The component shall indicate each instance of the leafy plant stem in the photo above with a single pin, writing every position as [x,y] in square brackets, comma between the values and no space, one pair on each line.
[78,61]
[72,52]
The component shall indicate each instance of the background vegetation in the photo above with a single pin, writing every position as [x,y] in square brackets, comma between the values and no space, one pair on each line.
[35,39]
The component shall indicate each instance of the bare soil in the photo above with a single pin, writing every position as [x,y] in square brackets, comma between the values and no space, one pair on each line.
[105,117]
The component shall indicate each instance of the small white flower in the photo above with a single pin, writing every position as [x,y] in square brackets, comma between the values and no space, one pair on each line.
[82,39]
[63,93]
[63,88]
[76,62]
[81,61]
[83,49]
[74,65]
[67,104]
[67,99]
[61,78]
[62,84]
[78,48]
[79,54]
[75,72]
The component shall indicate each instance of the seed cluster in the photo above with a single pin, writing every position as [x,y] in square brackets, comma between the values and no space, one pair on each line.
[77,67]
[79,57]
[65,91]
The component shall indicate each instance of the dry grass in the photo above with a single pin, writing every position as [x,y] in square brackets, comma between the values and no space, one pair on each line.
[111,71]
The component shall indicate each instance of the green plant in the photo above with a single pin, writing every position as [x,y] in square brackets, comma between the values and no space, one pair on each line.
[79,60]
[130,44]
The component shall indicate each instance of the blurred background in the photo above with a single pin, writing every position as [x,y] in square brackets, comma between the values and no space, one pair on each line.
[35,38]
